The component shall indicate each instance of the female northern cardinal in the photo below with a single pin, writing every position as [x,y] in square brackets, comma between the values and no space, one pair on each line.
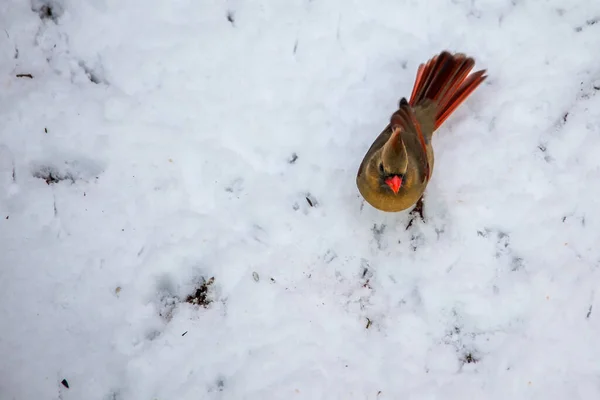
[396,169]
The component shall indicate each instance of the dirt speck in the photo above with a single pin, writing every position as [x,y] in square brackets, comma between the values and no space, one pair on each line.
[200,296]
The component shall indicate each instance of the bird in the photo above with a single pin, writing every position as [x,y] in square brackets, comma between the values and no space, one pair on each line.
[396,169]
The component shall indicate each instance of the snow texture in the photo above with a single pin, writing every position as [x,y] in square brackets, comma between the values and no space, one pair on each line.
[180,220]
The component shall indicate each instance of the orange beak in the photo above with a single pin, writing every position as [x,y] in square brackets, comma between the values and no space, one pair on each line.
[394,183]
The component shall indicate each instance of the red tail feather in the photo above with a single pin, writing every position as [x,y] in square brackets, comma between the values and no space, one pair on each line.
[445,79]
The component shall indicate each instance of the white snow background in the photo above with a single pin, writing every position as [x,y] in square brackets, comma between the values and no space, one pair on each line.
[181,140]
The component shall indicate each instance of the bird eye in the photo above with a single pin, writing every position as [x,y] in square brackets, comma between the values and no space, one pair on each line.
[381,168]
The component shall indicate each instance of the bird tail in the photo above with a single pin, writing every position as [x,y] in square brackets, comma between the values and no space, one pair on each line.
[445,80]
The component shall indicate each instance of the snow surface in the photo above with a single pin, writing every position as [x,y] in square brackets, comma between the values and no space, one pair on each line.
[185,138]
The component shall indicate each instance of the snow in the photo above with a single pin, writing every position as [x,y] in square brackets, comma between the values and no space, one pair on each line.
[187,140]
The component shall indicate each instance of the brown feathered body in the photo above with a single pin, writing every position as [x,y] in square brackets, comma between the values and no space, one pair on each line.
[397,167]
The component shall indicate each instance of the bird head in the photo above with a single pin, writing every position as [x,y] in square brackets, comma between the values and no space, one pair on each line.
[390,164]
